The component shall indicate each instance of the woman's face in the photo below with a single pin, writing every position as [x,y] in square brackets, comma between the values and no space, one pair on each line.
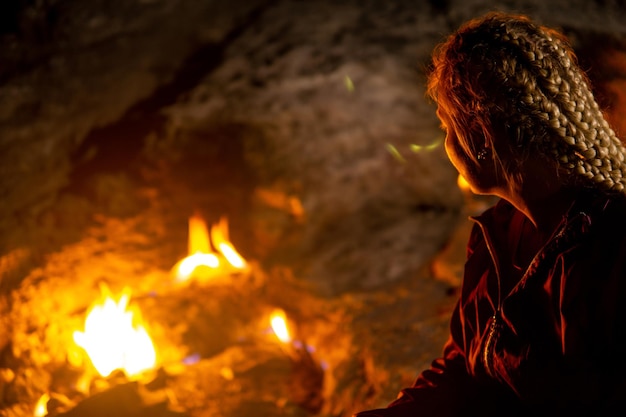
[481,176]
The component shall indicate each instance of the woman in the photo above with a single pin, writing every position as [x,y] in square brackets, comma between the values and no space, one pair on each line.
[540,326]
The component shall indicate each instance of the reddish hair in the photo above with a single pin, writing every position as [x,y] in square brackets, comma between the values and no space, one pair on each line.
[504,75]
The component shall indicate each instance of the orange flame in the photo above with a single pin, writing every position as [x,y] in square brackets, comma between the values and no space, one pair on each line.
[114,337]
[205,250]
[198,240]
[41,408]
[278,320]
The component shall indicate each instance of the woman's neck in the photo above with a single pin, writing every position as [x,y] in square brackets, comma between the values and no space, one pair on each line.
[545,205]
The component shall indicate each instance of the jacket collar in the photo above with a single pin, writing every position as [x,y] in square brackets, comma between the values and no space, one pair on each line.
[497,221]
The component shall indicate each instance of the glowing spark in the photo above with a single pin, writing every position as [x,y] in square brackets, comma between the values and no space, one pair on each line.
[395,153]
[349,84]
[418,148]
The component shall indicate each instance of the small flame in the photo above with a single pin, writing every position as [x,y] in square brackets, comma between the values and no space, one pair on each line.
[41,408]
[198,240]
[278,319]
[198,259]
[114,337]
[206,249]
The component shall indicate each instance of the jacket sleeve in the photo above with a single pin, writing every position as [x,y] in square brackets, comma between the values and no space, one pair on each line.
[443,390]
[446,388]
[593,330]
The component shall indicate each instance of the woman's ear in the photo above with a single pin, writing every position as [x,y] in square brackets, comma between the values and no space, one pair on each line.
[488,138]
[497,134]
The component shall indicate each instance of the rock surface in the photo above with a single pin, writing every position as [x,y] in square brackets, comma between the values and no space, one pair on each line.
[304,123]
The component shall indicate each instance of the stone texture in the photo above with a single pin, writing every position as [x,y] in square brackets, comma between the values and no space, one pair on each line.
[304,123]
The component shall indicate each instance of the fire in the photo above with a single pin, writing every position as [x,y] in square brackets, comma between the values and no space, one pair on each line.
[41,408]
[114,337]
[219,237]
[207,250]
[278,319]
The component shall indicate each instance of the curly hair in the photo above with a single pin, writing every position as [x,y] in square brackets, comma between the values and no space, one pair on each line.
[504,74]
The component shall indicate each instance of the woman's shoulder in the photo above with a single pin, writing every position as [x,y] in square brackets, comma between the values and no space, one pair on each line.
[604,215]
[608,210]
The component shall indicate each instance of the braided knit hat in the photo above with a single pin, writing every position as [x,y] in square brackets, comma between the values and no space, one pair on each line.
[503,73]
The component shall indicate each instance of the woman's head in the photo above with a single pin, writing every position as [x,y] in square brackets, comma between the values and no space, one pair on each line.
[515,87]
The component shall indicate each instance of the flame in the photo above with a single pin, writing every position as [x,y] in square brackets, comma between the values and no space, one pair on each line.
[219,237]
[114,337]
[278,319]
[198,259]
[206,249]
[198,240]
[41,408]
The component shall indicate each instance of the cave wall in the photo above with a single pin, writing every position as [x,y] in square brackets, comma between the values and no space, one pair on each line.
[322,101]
[304,123]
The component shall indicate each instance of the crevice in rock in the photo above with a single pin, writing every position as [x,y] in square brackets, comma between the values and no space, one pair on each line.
[115,147]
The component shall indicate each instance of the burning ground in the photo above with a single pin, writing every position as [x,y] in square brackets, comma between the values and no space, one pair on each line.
[216,351]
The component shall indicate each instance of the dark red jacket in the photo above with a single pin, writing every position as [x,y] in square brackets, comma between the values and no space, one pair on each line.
[551,344]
